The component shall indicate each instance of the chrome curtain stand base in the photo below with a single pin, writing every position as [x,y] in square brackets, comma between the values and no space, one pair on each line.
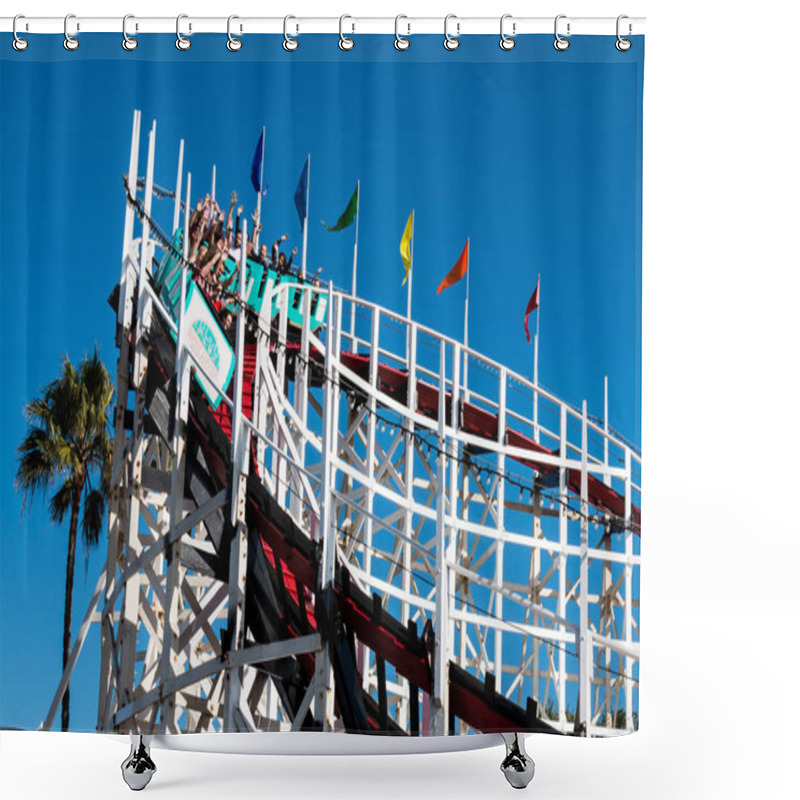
[138,768]
[517,766]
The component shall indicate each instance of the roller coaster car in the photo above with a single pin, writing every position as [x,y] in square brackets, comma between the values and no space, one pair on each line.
[260,281]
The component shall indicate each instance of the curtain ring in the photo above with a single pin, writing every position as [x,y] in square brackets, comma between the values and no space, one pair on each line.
[623,44]
[506,42]
[181,42]
[560,43]
[19,44]
[401,42]
[451,42]
[289,43]
[233,44]
[345,42]
[70,42]
[128,42]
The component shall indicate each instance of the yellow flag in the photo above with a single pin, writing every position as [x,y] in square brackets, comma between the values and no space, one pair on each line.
[405,245]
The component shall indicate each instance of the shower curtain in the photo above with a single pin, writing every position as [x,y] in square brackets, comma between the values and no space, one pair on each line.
[321,385]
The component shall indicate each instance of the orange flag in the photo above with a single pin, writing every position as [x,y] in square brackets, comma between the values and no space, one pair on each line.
[458,271]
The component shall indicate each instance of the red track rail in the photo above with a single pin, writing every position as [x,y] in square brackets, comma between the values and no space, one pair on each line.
[480,422]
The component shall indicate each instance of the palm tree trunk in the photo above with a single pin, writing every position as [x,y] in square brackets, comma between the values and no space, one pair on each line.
[73,535]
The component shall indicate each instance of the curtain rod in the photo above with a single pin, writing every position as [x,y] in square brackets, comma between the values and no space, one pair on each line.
[407,25]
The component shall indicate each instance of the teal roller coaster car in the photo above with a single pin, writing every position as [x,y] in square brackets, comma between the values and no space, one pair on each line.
[261,281]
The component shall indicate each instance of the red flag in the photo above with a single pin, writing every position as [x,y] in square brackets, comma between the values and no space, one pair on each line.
[458,271]
[533,304]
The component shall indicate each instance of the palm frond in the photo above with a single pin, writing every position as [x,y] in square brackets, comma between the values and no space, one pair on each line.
[94,378]
[39,464]
[99,451]
[61,501]
[94,504]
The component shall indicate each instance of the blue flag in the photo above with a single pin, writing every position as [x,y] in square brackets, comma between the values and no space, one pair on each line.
[301,194]
[255,169]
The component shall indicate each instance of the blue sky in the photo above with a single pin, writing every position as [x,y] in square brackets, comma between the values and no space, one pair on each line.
[540,165]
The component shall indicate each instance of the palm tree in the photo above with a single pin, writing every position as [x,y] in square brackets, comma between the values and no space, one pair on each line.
[68,446]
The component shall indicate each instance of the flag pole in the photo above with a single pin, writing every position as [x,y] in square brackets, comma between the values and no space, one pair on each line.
[536,371]
[466,332]
[606,477]
[411,266]
[355,268]
[305,222]
[214,182]
[260,190]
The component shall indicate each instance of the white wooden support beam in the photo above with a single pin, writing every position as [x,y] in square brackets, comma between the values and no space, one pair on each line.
[240,433]
[278,458]
[301,384]
[169,658]
[125,309]
[117,501]
[408,486]
[628,611]
[439,712]
[236,630]
[329,437]
[606,587]
[147,245]
[606,619]
[323,674]
[305,704]
[561,608]
[584,716]
[371,425]
[176,212]
[501,503]
[453,500]
[235,715]
[261,409]
[463,557]
[187,211]
[130,604]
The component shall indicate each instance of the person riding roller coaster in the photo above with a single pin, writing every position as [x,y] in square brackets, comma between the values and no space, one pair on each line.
[279,260]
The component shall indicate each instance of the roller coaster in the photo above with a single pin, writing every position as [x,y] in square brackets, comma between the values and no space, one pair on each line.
[339,519]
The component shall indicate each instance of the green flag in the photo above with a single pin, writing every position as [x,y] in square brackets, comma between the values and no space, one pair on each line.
[348,215]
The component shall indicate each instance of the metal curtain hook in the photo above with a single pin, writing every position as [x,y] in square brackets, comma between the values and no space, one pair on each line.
[289,43]
[128,42]
[507,42]
[401,42]
[560,43]
[70,42]
[233,44]
[623,44]
[19,43]
[181,42]
[451,42]
[345,42]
